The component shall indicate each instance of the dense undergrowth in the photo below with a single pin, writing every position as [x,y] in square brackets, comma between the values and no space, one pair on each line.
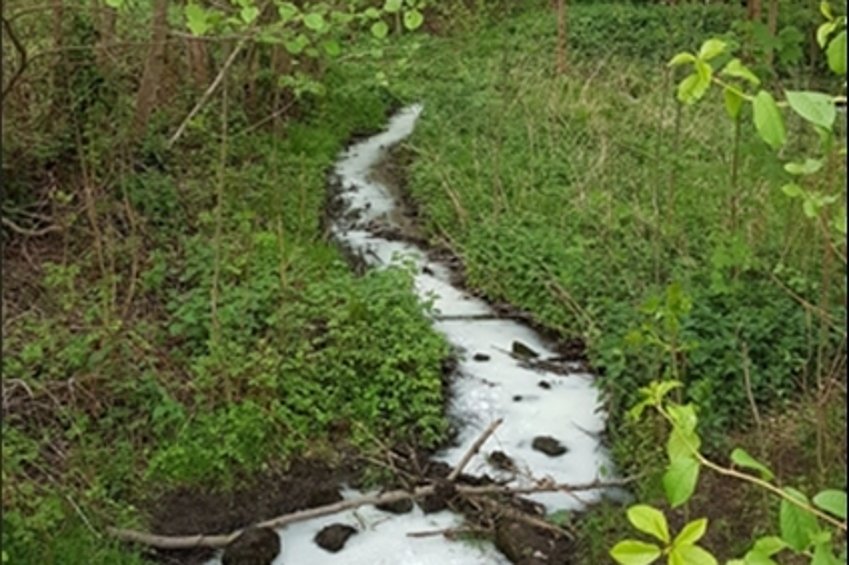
[212,332]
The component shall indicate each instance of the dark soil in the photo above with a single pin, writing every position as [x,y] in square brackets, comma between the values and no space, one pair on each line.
[256,546]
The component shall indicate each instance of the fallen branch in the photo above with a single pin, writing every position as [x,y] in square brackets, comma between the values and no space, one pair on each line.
[219,541]
[474,449]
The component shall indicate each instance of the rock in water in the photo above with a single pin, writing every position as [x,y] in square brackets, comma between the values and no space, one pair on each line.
[549,446]
[522,351]
[481,357]
[398,507]
[254,546]
[333,537]
[502,461]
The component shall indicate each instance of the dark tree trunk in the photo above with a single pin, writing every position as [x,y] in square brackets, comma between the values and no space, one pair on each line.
[146,97]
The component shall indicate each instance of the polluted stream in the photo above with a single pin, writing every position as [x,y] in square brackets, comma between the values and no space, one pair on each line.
[552,420]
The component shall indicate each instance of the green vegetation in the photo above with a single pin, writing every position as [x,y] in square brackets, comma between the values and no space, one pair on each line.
[174,315]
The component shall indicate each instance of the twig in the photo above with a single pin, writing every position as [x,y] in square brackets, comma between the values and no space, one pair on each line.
[28,232]
[474,449]
[219,541]
[447,532]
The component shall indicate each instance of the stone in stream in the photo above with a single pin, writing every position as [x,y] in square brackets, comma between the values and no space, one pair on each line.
[525,545]
[443,492]
[517,398]
[333,537]
[544,384]
[481,357]
[398,507]
[502,461]
[254,546]
[522,351]
[549,446]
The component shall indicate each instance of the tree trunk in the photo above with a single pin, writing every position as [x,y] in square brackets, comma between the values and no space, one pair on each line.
[772,26]
[59,75]
[754,10]
[198,62]
[152,75]
[561,37]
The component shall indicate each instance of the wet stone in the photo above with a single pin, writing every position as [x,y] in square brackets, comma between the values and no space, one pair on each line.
[549,446]
[501,460]
[438,501]
[519,349]
[255,546]
[481,357]
[333,537]
[544,384]
[517,398]
[398,507]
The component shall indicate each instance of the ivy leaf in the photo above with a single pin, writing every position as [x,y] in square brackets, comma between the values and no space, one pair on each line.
[392,6]
[690,555]
[836,53]
[633,552]
[691,533]
[679,480]
[815,107]
[832,501]
[196,19]
[733,102]
[797,525]
[808,167]
[379,29]
[768,120]
[413,19]
[650,521]
[735,68]
[314,21]
[742,459]
[681,59]
[711,48]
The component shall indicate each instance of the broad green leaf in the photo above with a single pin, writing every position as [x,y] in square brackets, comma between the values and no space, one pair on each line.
[682,444]
[196,19]
[825,10]
[684,417]
[815,107]
[742,459]
[691,89]
[808,167]
[823,31]
[661,388]
[379,29]
[769,545]
[117,4]
[413,19]
[650,521]
[735,68]
[755,557]
[690,555]
[297,45]
[768,120]
[711,48]
[823,555]
[691,533]
[797,525]
[733,102]
[314,21]
[679,480]
[792,190]
[287,12]
[372,13]
[249,13]
[681,59]
[392,6]
[836,53]
[633,552]
[831,500]
[839,224]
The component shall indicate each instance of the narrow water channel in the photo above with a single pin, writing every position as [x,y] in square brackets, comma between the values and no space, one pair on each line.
[491,381]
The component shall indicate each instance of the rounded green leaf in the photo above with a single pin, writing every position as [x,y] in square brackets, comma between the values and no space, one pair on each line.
[681,59]
[792,190]
[836,53]
[808,167]
[196,19]
[314,21]
[735,68]
[823,31]
[691,533]
[711,48]
[633,552]
[797,525]
[815,107]
[249,13]
[332,48]
[413,19]
[682,443]
[392,6]
[733,102]
[769,545]
[832,501]
[768,120]
[823,555]
[650,521]
[691,555]
[741,458]
[379,29]
[755,557]
[679,480]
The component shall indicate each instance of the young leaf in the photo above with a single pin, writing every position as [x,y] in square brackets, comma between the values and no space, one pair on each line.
[768,120]
[691,89]
[735,68]
[836,53]
[792,190]
[742,459]
[249,13]
[832,501]
[650,521]
[823,555]
[379,29]
[633,552]
[690,555]
[797,525]
[679,480]
[823,31]
[691,533]
[287,12]
[682,443]
[314,21]
[825,10]
[754,557]
[711,48]
[196,19]
[733,103]
[681,59]
[392,6]
[815,107]
[769,545]
[809,208]
[413,19]
[684,417]
[809,167]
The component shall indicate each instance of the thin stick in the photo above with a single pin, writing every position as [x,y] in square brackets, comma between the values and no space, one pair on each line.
[474,449]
